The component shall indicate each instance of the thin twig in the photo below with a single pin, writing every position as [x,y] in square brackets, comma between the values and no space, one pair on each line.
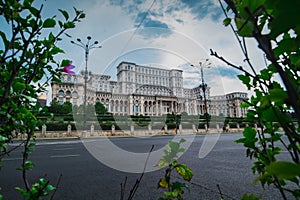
[213,191]
[220,192]
[56,186]
[137,183]
[25,157]
[123,188]
[213,53]
[8,152]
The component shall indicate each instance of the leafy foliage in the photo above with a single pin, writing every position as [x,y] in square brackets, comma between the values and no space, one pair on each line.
[275,25]
[29,48]
[37,190]
[175,189]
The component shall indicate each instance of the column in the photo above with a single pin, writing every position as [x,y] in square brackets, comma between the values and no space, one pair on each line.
[186,107]
[156,108]
[142,106]
[130,105]
[109,106]
[160,109]
[195,107]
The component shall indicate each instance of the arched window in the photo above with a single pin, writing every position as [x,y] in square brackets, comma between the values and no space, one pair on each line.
[69,79]
[61,93]
[62,79]
[68,93]
[75,94]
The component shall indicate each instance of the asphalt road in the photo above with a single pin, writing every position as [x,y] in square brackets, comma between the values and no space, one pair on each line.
[84,177]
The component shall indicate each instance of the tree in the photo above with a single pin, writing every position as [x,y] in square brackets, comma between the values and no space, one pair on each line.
[66,108]
[100,108]
[275,25]
[54,107]
[29,46]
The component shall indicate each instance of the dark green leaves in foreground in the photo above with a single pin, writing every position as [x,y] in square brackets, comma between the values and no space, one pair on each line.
[274,108]
[37,191]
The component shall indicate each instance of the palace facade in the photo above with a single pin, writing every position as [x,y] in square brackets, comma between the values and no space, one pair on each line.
[144,90]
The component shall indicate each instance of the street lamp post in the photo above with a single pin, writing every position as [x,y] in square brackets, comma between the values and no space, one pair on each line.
[87,47]
[203,86]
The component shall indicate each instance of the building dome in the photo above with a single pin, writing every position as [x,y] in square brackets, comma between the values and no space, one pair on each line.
[42,97]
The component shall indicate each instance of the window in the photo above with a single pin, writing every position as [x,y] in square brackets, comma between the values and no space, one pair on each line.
[75,94]
[60,100]
[69,79]
[61,93]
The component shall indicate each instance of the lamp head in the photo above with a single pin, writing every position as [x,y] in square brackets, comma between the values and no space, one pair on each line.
[79,40]
[89,37]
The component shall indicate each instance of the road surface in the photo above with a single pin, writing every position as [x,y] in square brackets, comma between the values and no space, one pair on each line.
[84,177]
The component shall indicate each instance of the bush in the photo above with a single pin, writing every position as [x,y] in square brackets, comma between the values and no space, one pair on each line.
[232,124]
[69,118]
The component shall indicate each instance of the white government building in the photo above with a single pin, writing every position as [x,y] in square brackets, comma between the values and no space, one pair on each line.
[144,90]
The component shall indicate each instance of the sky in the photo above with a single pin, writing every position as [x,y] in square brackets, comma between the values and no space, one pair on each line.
[170,34]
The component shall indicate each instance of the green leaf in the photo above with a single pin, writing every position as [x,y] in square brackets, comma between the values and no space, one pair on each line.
[163,183]
[171,195]
[265,101]
[179,185]
[29,165]
[227,21]
[284,169]
[249,139]
[56,50]
[68,25]
[64,13]
[162,164]
[82,15]
[50,188]
[184,171]
[3,139]
[245,105]
[18,87]
[245,27]
[49,23]
[34,11]
[245,79]
[249,132]
[278,95]
[251,197]
[65,63]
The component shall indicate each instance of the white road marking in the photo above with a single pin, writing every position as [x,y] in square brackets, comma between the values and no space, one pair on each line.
[62,149]
[11,159]
[65,156]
